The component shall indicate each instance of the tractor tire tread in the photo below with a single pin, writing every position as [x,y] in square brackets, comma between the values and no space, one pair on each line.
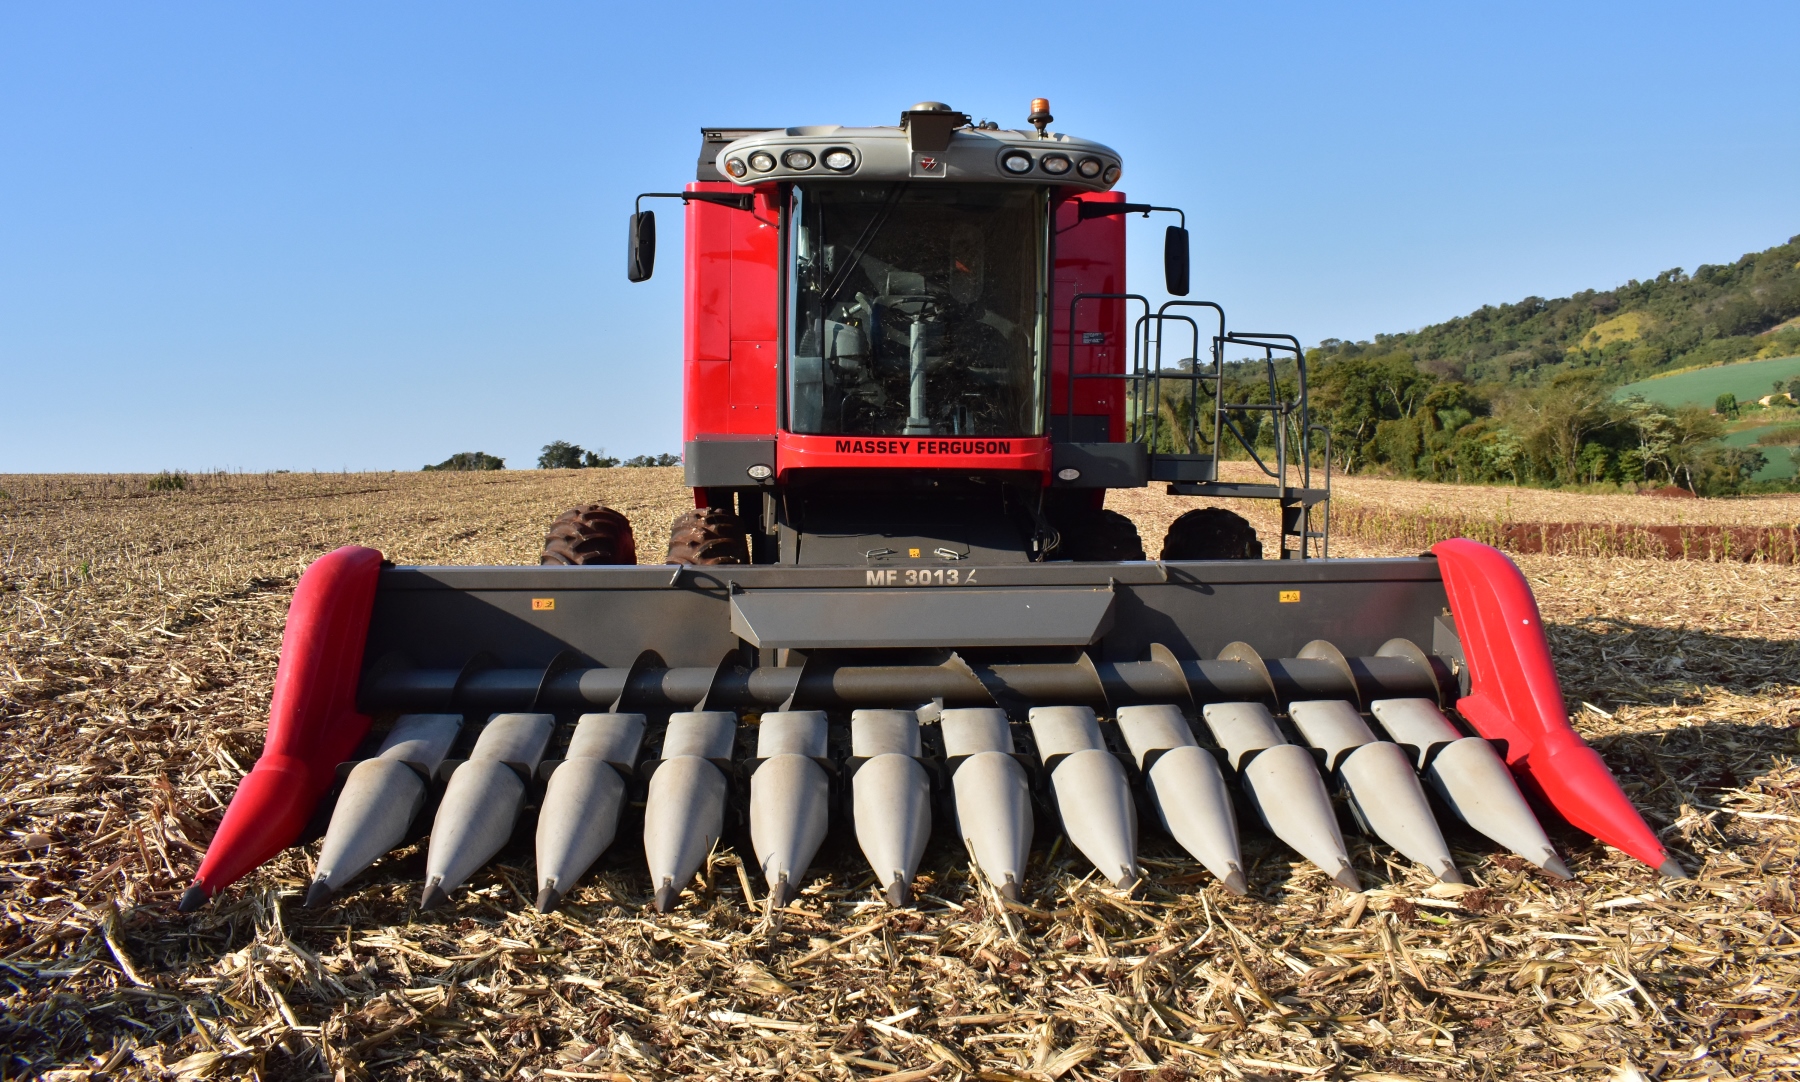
[1211,533]
[1102,536]
[589,536]
[708,536]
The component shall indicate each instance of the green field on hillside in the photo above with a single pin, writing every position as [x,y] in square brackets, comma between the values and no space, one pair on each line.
[1782,460]
[1749,380]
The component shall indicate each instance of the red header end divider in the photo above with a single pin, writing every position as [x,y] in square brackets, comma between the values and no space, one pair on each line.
[1514,696]
[313,721]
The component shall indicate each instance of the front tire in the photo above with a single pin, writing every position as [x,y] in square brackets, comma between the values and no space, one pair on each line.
[708,536]
[585,536]
[1211,533]
[1101,537]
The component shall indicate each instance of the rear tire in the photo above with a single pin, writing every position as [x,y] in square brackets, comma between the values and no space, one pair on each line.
[1101,536]
[586,536]
[708,535]
[1211,533]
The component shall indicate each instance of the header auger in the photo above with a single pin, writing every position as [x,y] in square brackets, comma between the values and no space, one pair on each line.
[900,608]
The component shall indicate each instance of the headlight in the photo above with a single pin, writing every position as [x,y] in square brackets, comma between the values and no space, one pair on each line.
[839,159]
[1089,168]
[761,471]
[1112,174]
[762,161]
[1054,164]
[798,159]
[1016,161]
[735,166]
[1069,473]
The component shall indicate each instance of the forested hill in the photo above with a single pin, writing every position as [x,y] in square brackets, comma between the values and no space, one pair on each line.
[1675,320]
[1523,392]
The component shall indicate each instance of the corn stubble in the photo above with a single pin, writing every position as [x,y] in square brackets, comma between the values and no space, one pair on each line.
[138,637]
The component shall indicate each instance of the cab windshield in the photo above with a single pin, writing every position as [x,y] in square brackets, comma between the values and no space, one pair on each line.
[917,310]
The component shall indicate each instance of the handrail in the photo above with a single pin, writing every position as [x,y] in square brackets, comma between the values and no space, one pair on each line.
[1145,373]
[1069,406]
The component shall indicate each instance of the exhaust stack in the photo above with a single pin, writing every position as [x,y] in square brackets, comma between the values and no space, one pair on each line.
[790,798]
[1384,791]
[891,797]
[1092,794]
[1284,786]
[993,795]
[1187,788]
[684,812]
[1468,774]
[481,801]
[380,800]
[582,801]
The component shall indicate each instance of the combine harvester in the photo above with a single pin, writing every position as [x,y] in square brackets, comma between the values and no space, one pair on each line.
[912,370]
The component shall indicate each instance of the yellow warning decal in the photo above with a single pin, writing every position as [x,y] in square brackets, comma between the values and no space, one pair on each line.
[914,553]
[546,604]
[1289,595]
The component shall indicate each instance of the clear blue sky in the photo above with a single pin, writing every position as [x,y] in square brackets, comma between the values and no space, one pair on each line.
[319,236]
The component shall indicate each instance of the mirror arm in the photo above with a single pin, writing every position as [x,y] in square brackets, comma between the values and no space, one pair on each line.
[1105,210]
[739,200]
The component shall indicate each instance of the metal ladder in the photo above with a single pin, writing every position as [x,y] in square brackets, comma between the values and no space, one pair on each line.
[1195,473]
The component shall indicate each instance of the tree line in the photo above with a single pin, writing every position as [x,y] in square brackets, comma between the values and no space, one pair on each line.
[556,455]
[1525,393]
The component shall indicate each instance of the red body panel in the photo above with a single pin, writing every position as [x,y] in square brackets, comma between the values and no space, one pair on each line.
[1090,258]
[1514,696]
[313,721]
[732,312]
[753,388]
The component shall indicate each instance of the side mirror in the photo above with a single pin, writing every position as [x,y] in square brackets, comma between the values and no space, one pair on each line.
[640,256]
[1175,261]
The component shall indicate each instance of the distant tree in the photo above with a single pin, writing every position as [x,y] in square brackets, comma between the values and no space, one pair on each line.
[598,459]
[1359,393]
[1594,462]
[653,460]
[1723,471]
[1692,428]
[1726,405]
[561,455]
[1562,416]
[469,460]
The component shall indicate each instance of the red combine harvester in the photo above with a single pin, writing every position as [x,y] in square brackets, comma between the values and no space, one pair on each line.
[912,370]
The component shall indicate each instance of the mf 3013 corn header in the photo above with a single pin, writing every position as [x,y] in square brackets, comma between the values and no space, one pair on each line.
[913,368]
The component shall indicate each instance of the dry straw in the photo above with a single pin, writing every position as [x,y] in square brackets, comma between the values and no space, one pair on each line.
[138,634]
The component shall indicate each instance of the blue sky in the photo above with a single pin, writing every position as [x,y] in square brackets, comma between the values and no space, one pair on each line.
[365,236]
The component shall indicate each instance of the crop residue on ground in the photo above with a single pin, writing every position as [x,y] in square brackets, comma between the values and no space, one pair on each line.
[138,635]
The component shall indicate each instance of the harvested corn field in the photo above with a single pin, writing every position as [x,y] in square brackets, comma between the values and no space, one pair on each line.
[1376,516]
[141,628]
